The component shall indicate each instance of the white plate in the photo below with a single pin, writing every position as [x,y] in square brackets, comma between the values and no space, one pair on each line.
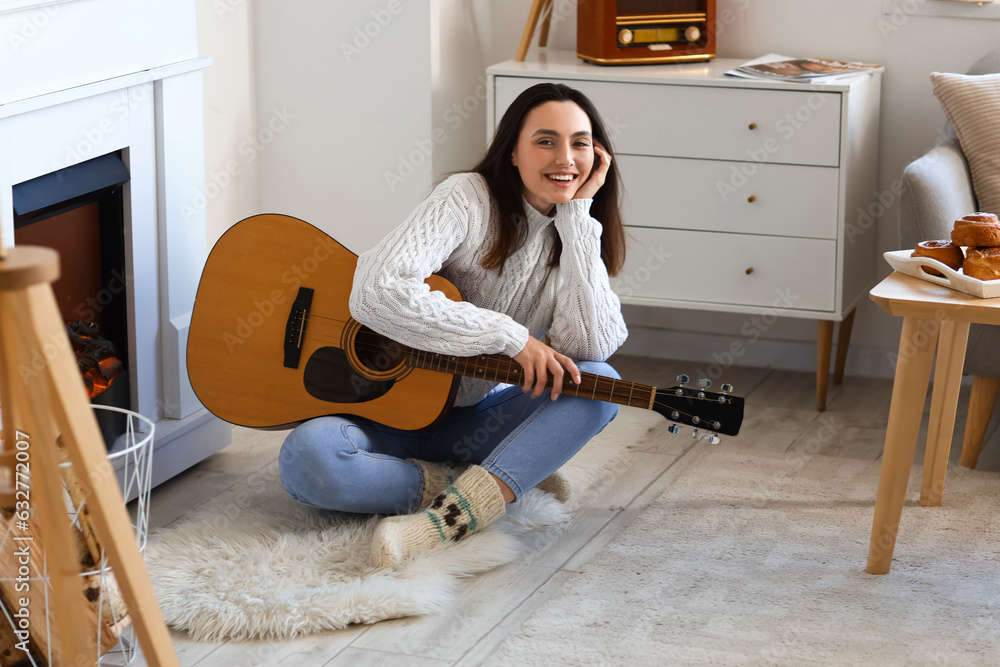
[901,261]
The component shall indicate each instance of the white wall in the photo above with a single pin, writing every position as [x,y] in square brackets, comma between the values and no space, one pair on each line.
[108,37]
[232,178]
[347,89]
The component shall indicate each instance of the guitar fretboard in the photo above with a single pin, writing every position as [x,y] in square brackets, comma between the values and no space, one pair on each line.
[501,368]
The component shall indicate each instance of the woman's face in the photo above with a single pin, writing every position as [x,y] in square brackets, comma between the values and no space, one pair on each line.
[554,153]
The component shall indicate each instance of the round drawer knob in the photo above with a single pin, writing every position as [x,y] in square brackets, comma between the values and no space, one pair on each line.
[752,126]
[625,36]
[749,270]
[752,198]
[692,34]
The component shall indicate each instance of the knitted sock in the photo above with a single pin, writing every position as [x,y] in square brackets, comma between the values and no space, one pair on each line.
[468,505]
[557,485]
[436,477]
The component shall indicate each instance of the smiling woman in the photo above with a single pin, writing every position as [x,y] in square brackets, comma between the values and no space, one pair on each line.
[555,154]
[529,236]
[531,120]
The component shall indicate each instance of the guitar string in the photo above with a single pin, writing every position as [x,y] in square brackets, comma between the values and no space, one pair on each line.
[599,379]
[601,383]
[376,348]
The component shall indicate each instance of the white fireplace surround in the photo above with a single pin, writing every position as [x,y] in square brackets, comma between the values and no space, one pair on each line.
[155,117]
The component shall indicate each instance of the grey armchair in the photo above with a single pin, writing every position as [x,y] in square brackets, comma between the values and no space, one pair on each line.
[937,190]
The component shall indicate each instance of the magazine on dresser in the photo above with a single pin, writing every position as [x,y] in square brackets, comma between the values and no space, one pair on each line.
[774,66]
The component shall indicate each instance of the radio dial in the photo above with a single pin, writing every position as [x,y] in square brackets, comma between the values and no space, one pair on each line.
[625,36]
[692,34]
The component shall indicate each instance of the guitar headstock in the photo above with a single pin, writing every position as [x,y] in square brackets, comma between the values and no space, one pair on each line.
[720,412]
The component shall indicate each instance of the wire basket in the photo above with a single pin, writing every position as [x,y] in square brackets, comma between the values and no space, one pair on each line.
[131,459]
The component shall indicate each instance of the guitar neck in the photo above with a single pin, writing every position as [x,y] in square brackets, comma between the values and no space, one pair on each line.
[501,368]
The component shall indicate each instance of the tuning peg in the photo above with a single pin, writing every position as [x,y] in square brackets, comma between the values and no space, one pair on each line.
[726,388]
[704,383]
[694,434]
[674,429]
[714,439]
[683,378]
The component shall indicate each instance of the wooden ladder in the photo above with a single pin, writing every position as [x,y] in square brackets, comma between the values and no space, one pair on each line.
[42,397]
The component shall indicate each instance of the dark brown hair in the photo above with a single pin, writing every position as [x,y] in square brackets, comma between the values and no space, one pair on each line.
[507,189]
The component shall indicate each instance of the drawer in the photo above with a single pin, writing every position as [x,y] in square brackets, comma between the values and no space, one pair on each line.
[712,267]
[744,197]
[792,127]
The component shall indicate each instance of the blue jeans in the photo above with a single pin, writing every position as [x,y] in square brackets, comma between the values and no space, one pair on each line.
[351,464]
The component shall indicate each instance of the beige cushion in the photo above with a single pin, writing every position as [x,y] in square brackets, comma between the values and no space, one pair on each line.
[972,104]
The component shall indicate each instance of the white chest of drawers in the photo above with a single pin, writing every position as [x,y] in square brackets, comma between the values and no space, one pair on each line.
[741,195]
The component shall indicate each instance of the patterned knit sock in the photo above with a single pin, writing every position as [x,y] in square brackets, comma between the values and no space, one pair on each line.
[468,505]
[436,477]
[557,485]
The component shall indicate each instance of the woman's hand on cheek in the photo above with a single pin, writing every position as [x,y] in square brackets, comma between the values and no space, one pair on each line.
[598,172]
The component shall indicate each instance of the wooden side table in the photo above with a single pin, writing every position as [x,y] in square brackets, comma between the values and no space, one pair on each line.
[933,316]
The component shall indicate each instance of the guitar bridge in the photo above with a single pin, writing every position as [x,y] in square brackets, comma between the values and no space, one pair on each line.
[295,327]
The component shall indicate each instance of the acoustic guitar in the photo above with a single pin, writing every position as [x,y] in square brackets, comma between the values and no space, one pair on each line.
[272,342]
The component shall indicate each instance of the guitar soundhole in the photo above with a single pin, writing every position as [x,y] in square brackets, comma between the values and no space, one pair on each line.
[377,353]
[329,376]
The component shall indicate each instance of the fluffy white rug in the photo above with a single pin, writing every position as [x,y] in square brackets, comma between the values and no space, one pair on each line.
[752,558]
[253,563]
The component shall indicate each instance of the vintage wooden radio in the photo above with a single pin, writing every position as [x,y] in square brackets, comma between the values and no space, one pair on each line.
[628,32]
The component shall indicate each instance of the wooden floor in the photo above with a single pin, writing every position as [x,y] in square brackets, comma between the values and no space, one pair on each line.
[780,416]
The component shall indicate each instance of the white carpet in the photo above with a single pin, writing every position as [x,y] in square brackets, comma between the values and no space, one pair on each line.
[253,563]
[753,558]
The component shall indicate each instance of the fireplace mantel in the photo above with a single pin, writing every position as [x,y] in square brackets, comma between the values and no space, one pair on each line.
[155,118]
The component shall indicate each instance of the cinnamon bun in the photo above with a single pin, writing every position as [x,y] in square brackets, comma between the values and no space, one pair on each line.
[977,230]
[943,251]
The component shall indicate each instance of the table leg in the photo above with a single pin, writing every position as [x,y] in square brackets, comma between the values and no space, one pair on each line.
[824,346]
[909,390]
[982,398]
[944,401]
[843,341]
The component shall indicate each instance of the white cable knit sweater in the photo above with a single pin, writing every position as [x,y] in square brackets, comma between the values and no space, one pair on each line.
[449,234]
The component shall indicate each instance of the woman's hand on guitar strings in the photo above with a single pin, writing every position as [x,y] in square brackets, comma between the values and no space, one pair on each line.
[538,361]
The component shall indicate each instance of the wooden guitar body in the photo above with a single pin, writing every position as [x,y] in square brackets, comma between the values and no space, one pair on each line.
[238,339]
